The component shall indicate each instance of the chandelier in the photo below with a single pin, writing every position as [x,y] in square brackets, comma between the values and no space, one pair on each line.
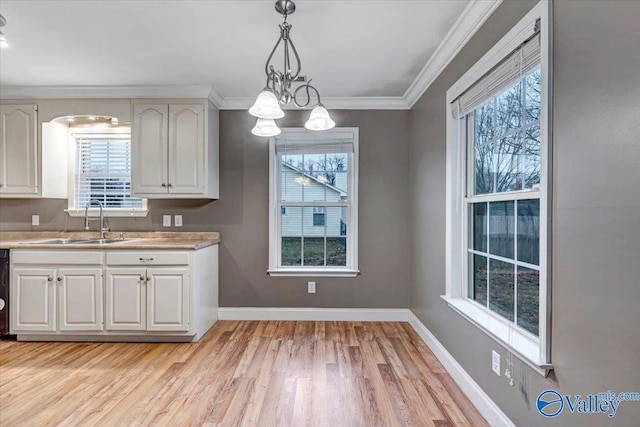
[279,86]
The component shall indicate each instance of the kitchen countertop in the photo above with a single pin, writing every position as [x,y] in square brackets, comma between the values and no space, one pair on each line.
[133,240]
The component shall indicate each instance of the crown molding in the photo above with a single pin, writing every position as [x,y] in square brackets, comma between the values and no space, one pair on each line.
[215,97]
[470,21]
[332,103]
[70,92]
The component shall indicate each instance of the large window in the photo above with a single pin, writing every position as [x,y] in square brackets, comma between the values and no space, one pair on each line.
[313,215]
[102,171]
[497,192]
[503,202]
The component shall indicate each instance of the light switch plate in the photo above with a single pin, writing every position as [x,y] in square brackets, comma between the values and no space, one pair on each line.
[166,220]
[35,219]
[311,287]
[177,220]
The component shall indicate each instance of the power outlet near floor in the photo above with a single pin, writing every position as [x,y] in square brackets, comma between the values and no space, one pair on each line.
[166,220]
[495,362]
[311,287]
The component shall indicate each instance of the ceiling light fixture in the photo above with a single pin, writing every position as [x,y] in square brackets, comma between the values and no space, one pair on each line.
[278,88]
[3,39]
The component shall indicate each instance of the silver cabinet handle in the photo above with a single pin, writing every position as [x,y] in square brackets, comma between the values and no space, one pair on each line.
[164,185]
[170,185]
[148,279]
[59,279]
[142,278]
[49,279]
[146,259]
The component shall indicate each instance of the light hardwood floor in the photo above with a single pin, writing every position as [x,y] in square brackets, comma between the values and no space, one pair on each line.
[241,373]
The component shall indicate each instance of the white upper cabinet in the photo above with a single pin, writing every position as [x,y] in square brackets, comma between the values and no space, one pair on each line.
[18,151]
[149,149]
[175,150]
[186,145]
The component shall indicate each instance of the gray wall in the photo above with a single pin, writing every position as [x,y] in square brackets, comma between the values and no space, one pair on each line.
[241,215]
[596,214]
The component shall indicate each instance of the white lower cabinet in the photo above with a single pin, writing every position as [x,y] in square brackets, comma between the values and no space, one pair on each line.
[123,295]
[48,299]
[33,299]
[80,299]
[126,299]
[154,299]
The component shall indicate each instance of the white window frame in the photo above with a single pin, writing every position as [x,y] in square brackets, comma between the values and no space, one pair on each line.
[76,211]
[536,352]
[351,269]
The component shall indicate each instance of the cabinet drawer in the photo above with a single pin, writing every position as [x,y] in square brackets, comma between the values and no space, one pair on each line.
[147,258]
[57,257]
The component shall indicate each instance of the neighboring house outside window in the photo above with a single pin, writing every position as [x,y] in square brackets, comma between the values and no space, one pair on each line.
[497,199]
[314,189]
[102,171]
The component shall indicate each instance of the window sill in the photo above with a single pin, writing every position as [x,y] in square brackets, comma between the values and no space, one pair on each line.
[313,272]
[108,213]
[519,343]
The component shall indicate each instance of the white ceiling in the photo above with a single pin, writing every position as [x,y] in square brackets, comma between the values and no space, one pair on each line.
[348,48]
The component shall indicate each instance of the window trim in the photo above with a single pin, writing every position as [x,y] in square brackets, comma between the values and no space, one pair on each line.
[106,212]
[536,352]
[351,270]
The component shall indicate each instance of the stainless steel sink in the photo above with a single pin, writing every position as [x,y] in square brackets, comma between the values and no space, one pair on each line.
[79,241]
[58,242]
[101,241]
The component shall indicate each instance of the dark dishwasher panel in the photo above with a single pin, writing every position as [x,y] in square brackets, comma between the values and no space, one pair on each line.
[4,293]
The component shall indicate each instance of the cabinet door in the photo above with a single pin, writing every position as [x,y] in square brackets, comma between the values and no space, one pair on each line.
[168,299]
[149,149]
[186,149]
[126,299]
[18,150]
[80,299]
[33,300]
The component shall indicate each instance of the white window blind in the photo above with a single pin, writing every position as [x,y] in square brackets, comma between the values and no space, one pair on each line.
[520,62]
[103,171]
[292,144]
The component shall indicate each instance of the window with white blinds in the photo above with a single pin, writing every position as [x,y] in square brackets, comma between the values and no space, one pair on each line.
[103,171]
[313,215]
[497,194]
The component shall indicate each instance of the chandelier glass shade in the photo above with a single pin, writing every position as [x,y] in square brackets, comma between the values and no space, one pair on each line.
[267,106]
[266,127]
[319,119]
[278,89]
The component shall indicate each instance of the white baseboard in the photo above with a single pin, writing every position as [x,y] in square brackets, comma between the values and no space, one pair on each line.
[487,407]
[336,314]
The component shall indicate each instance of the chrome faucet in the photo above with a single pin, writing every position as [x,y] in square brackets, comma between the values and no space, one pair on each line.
[103,226]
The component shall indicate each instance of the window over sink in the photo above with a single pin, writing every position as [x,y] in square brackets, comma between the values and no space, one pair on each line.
[101,167]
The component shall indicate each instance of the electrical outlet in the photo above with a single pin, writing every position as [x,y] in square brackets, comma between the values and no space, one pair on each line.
[495,362]
[311,287]
[177,220]
[35,219]
[166,220]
